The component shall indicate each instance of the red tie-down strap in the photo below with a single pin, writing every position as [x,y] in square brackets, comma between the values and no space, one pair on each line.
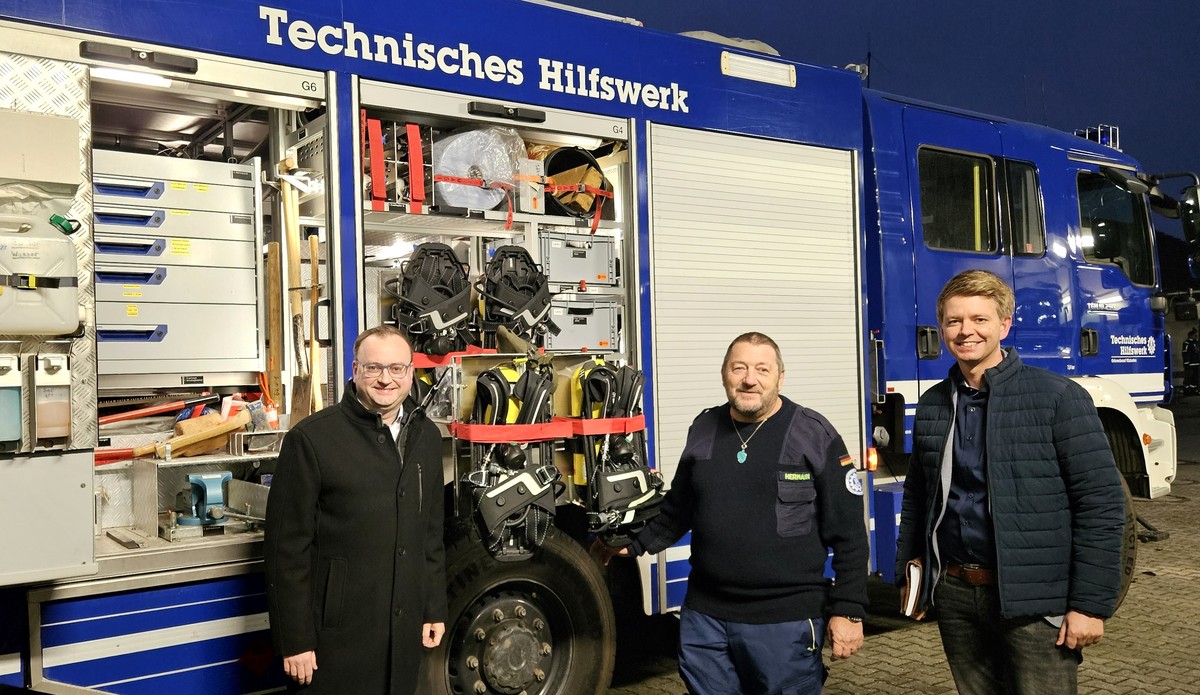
[600,194]
[416,168]
[378,168]
[480,183]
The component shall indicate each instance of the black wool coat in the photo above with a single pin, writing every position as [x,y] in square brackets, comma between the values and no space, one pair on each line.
[355,561]
[1056,503]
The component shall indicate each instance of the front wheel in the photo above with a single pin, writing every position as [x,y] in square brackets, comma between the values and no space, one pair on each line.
[542,626]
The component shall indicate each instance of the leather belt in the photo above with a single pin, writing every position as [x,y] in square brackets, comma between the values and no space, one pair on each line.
[974,575]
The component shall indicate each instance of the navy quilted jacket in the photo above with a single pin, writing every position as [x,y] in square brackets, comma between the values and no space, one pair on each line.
[1057,506]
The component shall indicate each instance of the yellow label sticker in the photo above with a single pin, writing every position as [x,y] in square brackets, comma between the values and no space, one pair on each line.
[181,247]
[131,293]
[131,310]
[181,212]
[178,186]
[202,187]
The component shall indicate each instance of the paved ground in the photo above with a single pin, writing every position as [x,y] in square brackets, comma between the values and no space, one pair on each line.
[1149,646]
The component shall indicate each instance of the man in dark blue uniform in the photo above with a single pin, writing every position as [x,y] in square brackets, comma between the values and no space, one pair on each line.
[766,486]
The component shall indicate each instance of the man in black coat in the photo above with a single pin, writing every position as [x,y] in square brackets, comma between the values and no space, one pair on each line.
[354,556]
[1013,503]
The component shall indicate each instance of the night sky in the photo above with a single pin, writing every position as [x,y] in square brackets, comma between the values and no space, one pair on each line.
[1067,64]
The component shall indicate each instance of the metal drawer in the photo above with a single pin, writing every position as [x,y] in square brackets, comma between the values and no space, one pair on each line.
[160,250]
[134,165]
[193,224]
[131,337]
[119,282]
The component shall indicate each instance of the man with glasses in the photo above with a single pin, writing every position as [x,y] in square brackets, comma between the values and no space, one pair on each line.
[355,564]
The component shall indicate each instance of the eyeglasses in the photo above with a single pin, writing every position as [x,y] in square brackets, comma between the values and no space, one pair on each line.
[374,369]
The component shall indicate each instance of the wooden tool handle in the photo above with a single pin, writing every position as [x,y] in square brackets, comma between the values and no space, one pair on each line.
[314,346]
[233,423]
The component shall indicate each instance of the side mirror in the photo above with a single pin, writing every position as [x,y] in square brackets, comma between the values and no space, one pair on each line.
[1163,204]
[1189,215]
[1126,182]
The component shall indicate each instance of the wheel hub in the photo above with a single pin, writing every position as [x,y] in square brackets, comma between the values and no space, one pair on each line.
[507,647]
[511,656]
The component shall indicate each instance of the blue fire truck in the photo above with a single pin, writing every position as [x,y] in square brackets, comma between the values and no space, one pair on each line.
[188,149]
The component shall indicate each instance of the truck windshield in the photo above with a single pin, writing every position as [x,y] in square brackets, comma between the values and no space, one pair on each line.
[1114,228]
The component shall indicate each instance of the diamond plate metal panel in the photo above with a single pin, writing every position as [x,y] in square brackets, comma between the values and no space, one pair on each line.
[61,88]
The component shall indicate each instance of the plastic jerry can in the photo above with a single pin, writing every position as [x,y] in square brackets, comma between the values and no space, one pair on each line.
[39,284]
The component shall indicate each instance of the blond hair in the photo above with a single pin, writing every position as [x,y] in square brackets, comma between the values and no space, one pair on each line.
[978,283]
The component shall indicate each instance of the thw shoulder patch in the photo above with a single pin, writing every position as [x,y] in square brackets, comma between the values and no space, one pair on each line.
[853,484]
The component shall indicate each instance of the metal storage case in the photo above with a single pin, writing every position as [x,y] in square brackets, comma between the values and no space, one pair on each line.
[568,258]
[585,324]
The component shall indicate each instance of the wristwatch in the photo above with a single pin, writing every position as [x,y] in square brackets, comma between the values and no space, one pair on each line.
[851,618]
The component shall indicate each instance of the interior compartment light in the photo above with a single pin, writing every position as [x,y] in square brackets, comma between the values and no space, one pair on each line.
[146,79]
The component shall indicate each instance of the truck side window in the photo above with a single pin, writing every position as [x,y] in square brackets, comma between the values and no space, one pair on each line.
[1024,210]
[1113,227]
[957,212]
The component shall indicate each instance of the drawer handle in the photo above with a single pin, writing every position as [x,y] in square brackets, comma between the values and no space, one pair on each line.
[131,334]
[131,276]
[146,190]
[131,246]
[131,218]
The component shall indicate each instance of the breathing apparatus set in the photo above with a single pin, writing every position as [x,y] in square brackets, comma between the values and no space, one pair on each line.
[435,306]
[513,495]
[433,300]
[515,293]
[622,493]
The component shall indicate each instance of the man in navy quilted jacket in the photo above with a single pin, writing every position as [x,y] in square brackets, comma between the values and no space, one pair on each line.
[1014,505]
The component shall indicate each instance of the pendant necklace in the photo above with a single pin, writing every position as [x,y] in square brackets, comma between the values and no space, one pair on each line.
[741,455]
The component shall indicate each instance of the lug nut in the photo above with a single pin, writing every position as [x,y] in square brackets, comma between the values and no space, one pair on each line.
[480,687]
[472,663]
[538,624]
[520,611]
[497,615]
[546,649]
[539,674]
[480,635]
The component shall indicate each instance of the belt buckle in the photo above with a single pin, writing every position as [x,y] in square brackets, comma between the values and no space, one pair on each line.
[973,574]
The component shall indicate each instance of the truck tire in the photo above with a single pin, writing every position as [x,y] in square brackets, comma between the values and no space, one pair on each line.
[543,626]
[1120,437]
[1129,543]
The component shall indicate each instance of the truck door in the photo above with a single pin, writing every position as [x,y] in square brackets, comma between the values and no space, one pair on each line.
[1116,280]
[954,168]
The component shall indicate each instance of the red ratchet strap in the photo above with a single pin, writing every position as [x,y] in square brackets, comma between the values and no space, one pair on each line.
[553,188]
[480,183]
[416,168]
[378,170]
